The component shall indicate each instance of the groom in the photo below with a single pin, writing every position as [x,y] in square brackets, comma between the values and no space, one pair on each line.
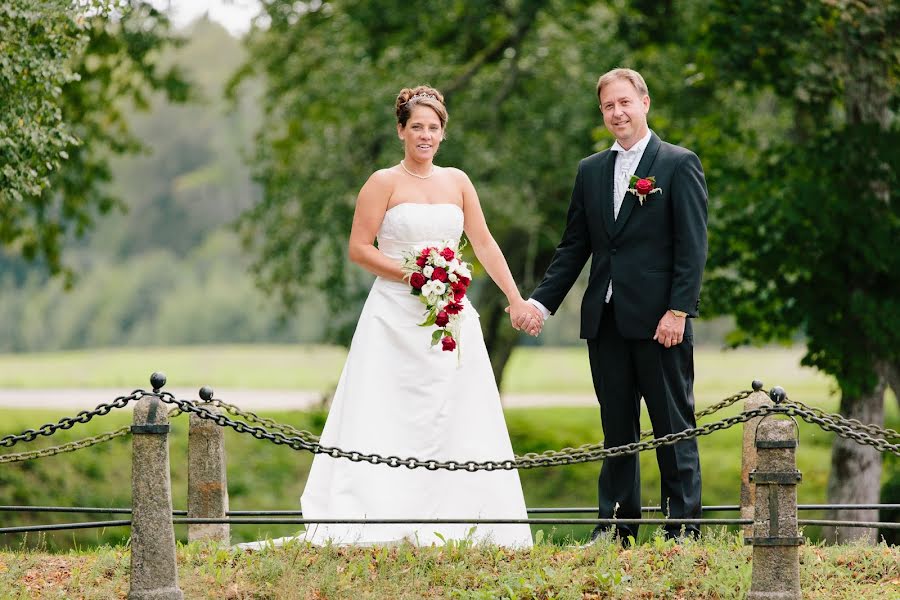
[647,244]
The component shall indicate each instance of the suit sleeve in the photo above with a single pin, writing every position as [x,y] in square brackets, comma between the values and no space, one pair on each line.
[571,253]
[689,200]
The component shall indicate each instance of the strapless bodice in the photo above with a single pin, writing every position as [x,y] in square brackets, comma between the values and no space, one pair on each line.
[410,225]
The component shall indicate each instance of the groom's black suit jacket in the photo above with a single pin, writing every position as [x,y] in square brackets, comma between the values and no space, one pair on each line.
[654,253]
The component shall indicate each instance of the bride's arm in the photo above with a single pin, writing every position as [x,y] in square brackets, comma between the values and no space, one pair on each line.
[371,204]
[483,244]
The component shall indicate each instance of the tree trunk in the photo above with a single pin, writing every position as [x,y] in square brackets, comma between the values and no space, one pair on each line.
[856,469]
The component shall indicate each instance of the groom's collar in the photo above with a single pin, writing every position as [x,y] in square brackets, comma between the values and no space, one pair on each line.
[638,146]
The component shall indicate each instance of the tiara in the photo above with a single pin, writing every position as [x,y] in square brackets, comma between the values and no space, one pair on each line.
[422,95]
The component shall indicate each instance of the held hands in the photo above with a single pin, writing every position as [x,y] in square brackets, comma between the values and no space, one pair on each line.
[670,330]
[526,317]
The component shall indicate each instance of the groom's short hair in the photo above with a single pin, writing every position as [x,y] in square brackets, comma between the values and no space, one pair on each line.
[627,74]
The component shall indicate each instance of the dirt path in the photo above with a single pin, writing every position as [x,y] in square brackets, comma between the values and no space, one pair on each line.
[86,399]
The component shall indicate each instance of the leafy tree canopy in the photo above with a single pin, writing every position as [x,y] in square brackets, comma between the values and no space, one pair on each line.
[68,71]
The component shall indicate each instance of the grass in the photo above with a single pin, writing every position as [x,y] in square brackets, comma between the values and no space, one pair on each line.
[531,370]
[718,567]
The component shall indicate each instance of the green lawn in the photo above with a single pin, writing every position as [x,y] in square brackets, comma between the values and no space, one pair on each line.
[531,370]
[718,567]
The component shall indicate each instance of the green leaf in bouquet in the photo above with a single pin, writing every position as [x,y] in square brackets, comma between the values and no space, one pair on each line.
[430,319]
[436,336]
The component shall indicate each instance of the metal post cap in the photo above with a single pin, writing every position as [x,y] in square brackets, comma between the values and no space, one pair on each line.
[757,385]
[206,393]
[157,380]
[777,394]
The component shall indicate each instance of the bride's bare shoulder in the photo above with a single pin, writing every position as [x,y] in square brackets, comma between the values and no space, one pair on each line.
[458,174]
[387,175]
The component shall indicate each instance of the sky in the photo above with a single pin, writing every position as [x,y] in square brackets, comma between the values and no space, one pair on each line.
[234,15]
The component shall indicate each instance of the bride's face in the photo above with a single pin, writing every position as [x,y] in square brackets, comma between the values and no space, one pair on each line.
[422,134]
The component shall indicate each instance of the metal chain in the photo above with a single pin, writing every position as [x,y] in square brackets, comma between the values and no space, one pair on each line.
[710,409]
[70,447]
[563,457]
[845,431]
[76,445]
[304,440]
[835,418]
[266,422]
[29,435]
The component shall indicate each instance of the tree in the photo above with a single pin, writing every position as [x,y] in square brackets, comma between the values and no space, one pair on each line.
[518,78]
[806,234]
[68,74]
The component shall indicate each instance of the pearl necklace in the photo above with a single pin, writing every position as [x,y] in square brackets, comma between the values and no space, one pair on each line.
[430,173]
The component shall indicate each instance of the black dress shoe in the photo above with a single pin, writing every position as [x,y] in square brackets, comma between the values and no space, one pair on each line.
[682,534]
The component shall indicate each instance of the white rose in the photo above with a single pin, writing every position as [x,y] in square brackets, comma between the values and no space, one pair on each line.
[427,270]
[453,265]
[440,261]
[463,271]
[439,288]
[452,277]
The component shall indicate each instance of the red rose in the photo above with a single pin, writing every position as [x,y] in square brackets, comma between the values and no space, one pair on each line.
[440,274]
[417,280]
[643,186]
[442,319]
[448,344]
[453,308]
[425,252]
[448,254]
[421,261]
[464,280]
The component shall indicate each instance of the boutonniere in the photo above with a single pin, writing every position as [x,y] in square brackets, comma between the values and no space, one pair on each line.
[643,187]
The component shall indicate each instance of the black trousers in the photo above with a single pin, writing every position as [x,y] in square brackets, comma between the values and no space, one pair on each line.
[624,371]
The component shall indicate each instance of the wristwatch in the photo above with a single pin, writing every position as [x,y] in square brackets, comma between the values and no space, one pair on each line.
[678,313]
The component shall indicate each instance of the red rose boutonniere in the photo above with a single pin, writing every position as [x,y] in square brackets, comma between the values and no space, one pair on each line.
[643,187]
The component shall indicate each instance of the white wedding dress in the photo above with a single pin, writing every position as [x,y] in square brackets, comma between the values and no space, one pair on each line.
[399,396]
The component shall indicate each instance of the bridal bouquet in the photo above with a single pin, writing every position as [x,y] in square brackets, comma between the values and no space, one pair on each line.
[440,279]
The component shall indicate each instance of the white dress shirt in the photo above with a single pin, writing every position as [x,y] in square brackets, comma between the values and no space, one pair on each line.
[626,164]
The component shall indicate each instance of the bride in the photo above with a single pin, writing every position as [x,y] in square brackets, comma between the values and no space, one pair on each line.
[399,395]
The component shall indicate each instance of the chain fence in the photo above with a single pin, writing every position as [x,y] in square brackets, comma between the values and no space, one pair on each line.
[298,439]
[566,456]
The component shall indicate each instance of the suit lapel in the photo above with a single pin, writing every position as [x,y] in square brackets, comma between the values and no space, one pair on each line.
[606,187]
[643,170]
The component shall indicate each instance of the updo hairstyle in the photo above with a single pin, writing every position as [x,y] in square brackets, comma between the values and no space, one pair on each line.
[421,95]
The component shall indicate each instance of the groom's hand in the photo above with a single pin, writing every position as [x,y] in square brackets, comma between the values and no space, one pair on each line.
[670,330]
[526,317]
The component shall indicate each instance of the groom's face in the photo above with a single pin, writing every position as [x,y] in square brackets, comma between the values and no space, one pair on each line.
[624,111]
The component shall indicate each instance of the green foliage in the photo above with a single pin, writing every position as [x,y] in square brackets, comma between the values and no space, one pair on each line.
[67,72]
[153,298]
[35,43]
[804,235]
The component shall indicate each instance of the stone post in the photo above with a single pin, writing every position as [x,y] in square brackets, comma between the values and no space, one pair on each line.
[776,540]
[748,455]
[207,488]
[154,574]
